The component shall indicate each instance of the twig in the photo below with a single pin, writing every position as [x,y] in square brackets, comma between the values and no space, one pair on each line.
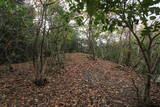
[137,90]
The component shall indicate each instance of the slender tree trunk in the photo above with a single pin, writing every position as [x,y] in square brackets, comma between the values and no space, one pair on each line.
[91,39]
[128,59]
[42,60]
[121,47]
[147,91]
[38,58]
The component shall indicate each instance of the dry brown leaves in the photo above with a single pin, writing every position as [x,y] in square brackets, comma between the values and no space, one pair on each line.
[85,83]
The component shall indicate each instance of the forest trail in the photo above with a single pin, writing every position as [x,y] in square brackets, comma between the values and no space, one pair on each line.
[84,83]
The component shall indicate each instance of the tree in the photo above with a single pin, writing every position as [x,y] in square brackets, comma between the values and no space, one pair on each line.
[16,29]
[39,60]
[50,36]
[91,7]
[128,14]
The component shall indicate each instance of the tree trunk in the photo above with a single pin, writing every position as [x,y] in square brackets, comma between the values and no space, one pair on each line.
[38,56]
[121,50]
[91,40]
[128,59]
[146,97]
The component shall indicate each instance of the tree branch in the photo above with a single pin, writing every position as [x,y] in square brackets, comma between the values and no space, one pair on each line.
[156,63]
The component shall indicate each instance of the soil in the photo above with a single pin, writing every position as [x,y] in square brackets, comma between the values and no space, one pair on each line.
[82,83]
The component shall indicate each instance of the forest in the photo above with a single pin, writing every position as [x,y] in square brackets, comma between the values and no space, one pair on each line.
[79,53]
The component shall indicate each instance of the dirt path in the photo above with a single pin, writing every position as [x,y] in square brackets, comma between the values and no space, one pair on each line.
[85,83]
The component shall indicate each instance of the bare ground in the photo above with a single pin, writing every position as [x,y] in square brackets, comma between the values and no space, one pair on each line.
[83,83]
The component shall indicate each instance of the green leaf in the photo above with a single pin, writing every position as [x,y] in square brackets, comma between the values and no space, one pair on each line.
[155,10]
[79,20]
[153,17]
[92,6]
[146,31]
[2,2]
